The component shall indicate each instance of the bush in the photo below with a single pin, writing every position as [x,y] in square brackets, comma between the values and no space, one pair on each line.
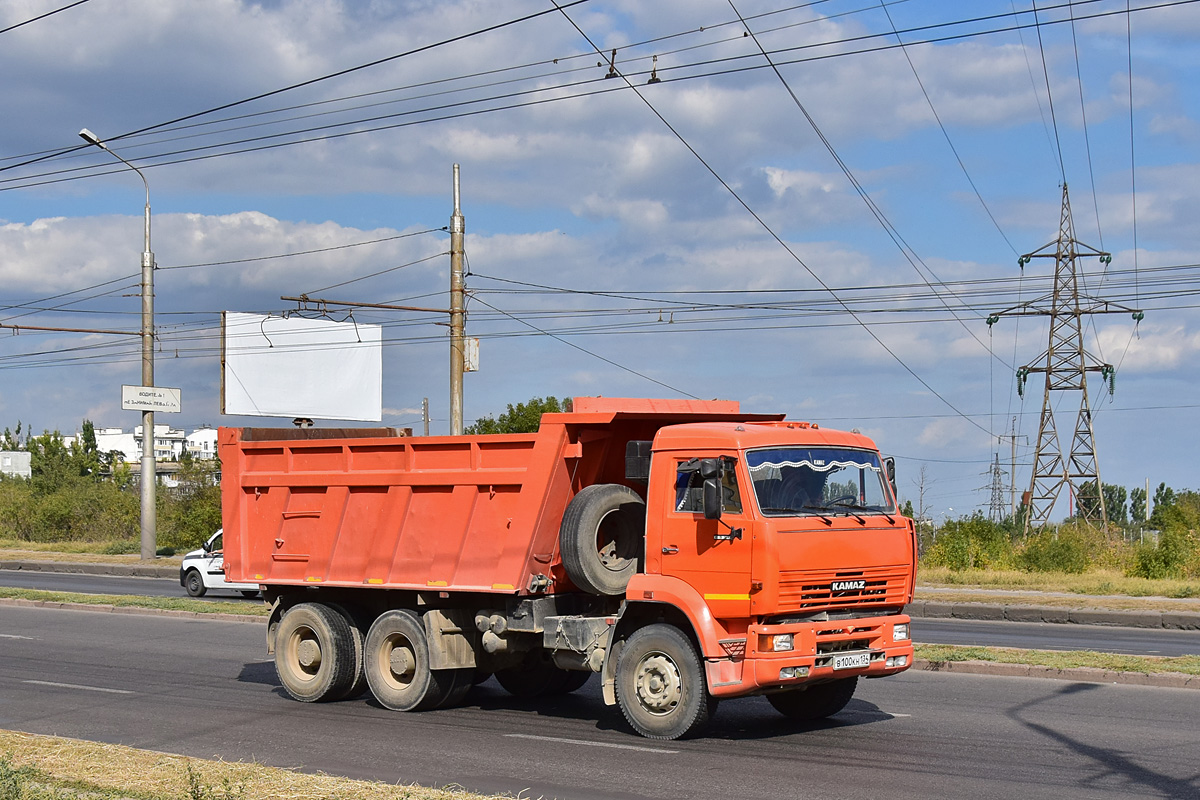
[1176,555]
[970,543]
[1069,548]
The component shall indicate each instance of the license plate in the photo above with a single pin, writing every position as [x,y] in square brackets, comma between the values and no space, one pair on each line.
[852,661]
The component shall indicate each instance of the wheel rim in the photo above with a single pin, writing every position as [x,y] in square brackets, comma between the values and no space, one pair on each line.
[303,650]
[613,541]
[658,684]
[397,653]
[194,583]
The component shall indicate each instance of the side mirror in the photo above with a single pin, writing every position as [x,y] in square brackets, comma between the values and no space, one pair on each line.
[712,498]
[206,547]
[890,464]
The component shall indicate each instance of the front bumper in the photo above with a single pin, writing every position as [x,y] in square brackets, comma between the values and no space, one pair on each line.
[820,653]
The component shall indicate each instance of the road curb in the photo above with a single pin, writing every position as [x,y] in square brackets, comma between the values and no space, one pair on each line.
[90,568]
[110,609]
[1169,680]
[1173,620]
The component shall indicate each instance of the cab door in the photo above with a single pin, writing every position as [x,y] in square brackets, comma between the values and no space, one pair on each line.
[713,556]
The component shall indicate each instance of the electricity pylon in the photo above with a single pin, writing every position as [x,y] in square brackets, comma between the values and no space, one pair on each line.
[1065,364]
[996,504]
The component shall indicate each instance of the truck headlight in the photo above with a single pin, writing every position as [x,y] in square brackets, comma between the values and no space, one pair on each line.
[783,642]
[900,632]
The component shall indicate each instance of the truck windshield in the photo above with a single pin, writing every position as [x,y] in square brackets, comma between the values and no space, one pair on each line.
[796,481]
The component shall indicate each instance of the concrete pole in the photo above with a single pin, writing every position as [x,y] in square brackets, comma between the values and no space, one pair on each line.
[457,353]
[149,472]
[148,477]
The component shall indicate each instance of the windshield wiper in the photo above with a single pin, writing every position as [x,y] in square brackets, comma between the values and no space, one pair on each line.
[852,507]
[816,511]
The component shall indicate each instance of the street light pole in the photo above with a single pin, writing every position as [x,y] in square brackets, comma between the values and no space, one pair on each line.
[149,478]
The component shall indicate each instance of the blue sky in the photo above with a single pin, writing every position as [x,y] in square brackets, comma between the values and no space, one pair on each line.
[597,207]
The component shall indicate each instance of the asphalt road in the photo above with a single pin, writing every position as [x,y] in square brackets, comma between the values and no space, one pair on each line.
[105,584]
[1034,635]
[202,688]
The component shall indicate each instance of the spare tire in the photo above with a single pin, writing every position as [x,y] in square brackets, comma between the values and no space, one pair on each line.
[601,538]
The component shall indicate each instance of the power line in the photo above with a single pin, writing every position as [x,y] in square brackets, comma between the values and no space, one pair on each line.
[43,16]
[267,142]
[320,79]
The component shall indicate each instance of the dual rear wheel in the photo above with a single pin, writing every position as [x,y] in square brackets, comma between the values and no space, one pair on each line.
[321,655]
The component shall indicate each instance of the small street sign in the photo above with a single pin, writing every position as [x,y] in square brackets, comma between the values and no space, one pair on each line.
[151,398]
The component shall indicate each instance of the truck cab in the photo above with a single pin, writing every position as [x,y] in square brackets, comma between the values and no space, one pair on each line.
[781,544]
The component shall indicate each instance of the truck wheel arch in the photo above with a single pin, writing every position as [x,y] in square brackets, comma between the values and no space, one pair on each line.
[635,617]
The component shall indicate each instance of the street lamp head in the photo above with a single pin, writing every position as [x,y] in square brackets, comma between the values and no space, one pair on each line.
[92,138]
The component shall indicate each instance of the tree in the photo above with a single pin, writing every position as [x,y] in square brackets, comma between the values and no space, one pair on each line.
[50,462]
[1137,504]
[1164,500]
[522,418]
[11,441]
[1114,503]
[85,453]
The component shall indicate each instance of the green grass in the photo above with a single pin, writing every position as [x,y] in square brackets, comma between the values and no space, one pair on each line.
[135,601]
[1189,665]
[1094,583]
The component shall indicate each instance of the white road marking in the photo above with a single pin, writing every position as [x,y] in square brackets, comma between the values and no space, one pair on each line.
[15,636]
[590,744]
[77,686]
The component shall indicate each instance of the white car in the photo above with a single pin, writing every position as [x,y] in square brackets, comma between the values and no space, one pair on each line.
[203,569]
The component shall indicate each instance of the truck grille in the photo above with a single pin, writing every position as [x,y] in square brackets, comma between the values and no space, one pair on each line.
[815,589]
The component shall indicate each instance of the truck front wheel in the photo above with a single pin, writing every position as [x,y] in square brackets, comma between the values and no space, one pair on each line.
[816,702]
[397,665]
[660,684]
[314,653]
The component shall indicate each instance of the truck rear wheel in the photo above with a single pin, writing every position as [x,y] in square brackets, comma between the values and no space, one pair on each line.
[601,537]
[358,686]
[816,702]
[314,653]
[397,665]
[660,684]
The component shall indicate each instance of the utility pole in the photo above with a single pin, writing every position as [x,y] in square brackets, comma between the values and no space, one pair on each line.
[1065,364]
[148,477]
[1012,467]
[457,354]
[425,413]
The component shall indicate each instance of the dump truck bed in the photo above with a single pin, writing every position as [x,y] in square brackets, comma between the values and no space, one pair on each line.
[359,508]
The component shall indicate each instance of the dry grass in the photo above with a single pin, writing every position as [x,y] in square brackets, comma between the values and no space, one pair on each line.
[1189,665]
[110,769]
[1095,583]
[1018,598]
[75,552]
[137,601]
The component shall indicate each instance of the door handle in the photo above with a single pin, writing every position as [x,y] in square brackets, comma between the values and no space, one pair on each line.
[670,550]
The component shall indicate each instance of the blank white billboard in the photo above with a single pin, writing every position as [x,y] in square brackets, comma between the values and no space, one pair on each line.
[295,367]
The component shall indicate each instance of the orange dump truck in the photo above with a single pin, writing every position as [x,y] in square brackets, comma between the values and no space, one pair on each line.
[683,550]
